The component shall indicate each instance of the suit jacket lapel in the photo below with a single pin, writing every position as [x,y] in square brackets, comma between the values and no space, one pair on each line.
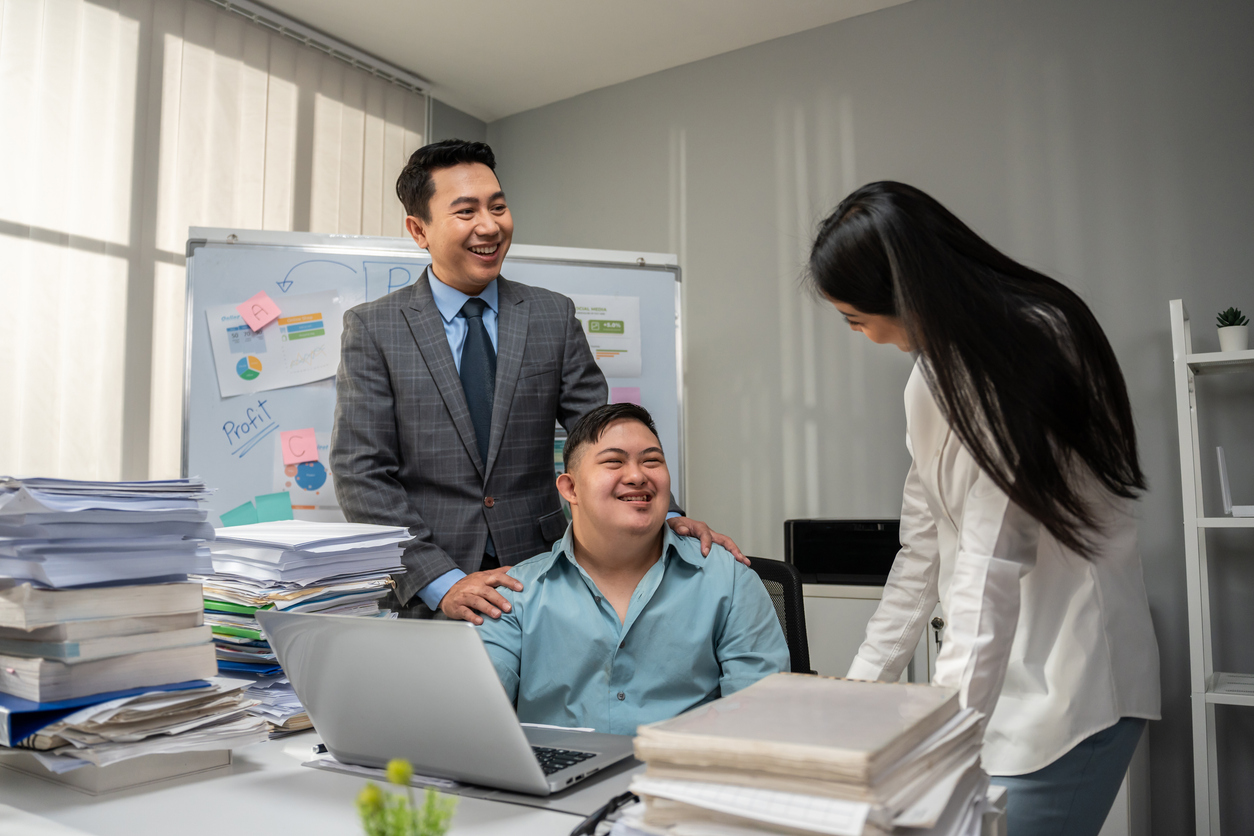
[428,329]
[511,339]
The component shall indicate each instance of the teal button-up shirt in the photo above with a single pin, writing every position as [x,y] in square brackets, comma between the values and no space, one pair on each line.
[697,628]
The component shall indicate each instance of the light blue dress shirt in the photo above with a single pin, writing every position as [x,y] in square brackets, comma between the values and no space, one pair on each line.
[449,301]
[697,628]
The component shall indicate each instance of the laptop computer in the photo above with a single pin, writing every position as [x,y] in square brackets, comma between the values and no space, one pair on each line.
[426,691]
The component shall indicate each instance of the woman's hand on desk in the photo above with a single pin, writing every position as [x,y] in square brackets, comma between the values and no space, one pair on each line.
[476,593]
[707,536]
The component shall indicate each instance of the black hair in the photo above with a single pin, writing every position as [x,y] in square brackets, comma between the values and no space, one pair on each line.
[1016,361]
[415,187]
[590,428]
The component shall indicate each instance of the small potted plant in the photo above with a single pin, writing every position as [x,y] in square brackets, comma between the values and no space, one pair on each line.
[393,814]
[1234,330]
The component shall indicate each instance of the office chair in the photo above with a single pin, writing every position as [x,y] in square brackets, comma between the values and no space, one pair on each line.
[783,583]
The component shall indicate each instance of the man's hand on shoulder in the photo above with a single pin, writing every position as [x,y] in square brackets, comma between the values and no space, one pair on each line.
[698,529]
[477,593]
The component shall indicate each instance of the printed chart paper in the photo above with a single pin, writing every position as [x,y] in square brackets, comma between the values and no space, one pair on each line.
[309,483]
[612,326]
[301,346]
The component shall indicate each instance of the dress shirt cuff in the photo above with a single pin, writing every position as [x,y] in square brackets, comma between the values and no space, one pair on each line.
[862,669]
[670,515]
[433,593]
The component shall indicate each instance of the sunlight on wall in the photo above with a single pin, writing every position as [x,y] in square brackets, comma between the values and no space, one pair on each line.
[363,132]
[241,109]
[64,326]
[67,95]
[228,134]
[67,99]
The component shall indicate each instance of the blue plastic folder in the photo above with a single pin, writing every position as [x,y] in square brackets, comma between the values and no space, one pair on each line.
[19,719]
[265,669]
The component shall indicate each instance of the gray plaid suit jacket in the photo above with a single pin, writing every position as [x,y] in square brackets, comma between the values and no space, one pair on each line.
[403,450]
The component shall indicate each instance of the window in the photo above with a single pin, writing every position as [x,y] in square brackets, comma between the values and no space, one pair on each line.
[125,123]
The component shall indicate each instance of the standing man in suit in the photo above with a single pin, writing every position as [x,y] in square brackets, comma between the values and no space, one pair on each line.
[447,393]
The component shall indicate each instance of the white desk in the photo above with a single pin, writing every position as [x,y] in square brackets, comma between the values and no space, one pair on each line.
[267,789]
[264,789]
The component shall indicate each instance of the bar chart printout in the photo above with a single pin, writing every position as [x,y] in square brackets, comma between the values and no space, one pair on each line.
[301,346]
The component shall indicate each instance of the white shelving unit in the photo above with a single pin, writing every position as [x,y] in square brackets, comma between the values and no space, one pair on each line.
[1209,687]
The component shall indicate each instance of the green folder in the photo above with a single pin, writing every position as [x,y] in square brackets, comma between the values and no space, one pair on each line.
[222,606]
[272,507]
[242,632]
[245,514]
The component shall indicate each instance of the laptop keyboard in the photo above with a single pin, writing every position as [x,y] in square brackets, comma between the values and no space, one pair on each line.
[555,760]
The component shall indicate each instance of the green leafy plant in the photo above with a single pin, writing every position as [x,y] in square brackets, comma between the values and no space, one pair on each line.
[1230,317]
[394,814]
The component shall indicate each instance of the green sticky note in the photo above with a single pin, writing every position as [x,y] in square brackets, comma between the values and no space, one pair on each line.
[274,506]
[245,514]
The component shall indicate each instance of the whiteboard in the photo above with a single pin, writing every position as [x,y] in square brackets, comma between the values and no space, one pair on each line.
[233,442]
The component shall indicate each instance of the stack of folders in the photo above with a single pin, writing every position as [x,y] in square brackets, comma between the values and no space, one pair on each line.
[96,615]
[796,753]
[295,566]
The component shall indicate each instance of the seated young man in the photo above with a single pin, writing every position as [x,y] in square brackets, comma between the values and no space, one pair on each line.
[624,622]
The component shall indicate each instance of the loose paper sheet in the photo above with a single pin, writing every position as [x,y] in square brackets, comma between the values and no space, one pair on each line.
[301,346]
[612,326]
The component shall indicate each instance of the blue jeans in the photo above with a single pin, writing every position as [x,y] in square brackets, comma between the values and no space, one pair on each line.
[1072,795]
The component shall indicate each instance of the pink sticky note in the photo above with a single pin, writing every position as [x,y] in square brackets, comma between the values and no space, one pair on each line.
[625,394]
[299,446]
[258,311]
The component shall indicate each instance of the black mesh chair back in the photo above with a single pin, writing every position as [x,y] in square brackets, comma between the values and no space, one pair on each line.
[783,583]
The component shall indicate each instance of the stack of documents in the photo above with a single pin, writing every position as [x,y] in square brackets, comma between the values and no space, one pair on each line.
[186,717]
[305,554]
[295,566]
[60,644]
[804,753]
[278,705]
[104,651]
[63,533]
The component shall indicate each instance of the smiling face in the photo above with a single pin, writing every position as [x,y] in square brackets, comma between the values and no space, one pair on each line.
[878,328]
[619,484]
[470,228]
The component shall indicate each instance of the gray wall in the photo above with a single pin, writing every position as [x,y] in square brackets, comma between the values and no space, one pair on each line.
[1107,144]
[447,122]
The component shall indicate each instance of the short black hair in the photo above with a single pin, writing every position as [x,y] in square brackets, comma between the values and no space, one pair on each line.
[590,428]
[415,187]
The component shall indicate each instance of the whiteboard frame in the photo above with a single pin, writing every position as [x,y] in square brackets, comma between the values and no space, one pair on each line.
[315,242]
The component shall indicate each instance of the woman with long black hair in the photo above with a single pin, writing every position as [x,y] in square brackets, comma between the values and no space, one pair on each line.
[1018,514]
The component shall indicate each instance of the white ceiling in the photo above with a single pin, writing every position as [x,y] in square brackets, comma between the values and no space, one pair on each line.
[493,58]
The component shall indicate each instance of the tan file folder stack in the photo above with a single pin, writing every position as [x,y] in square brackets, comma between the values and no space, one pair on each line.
[796,753]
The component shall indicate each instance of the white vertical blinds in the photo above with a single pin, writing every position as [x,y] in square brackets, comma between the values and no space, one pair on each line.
[122,123]
[67,117]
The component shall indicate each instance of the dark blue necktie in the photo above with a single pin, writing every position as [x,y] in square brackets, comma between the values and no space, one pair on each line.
[478,373]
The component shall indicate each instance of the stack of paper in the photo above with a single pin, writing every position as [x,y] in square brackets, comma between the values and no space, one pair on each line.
[278,705]
[77,663]
[816,754]
[184,718]
[61,533]
[296,566]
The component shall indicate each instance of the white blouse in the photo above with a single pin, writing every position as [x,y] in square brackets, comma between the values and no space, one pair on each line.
[1055,647]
